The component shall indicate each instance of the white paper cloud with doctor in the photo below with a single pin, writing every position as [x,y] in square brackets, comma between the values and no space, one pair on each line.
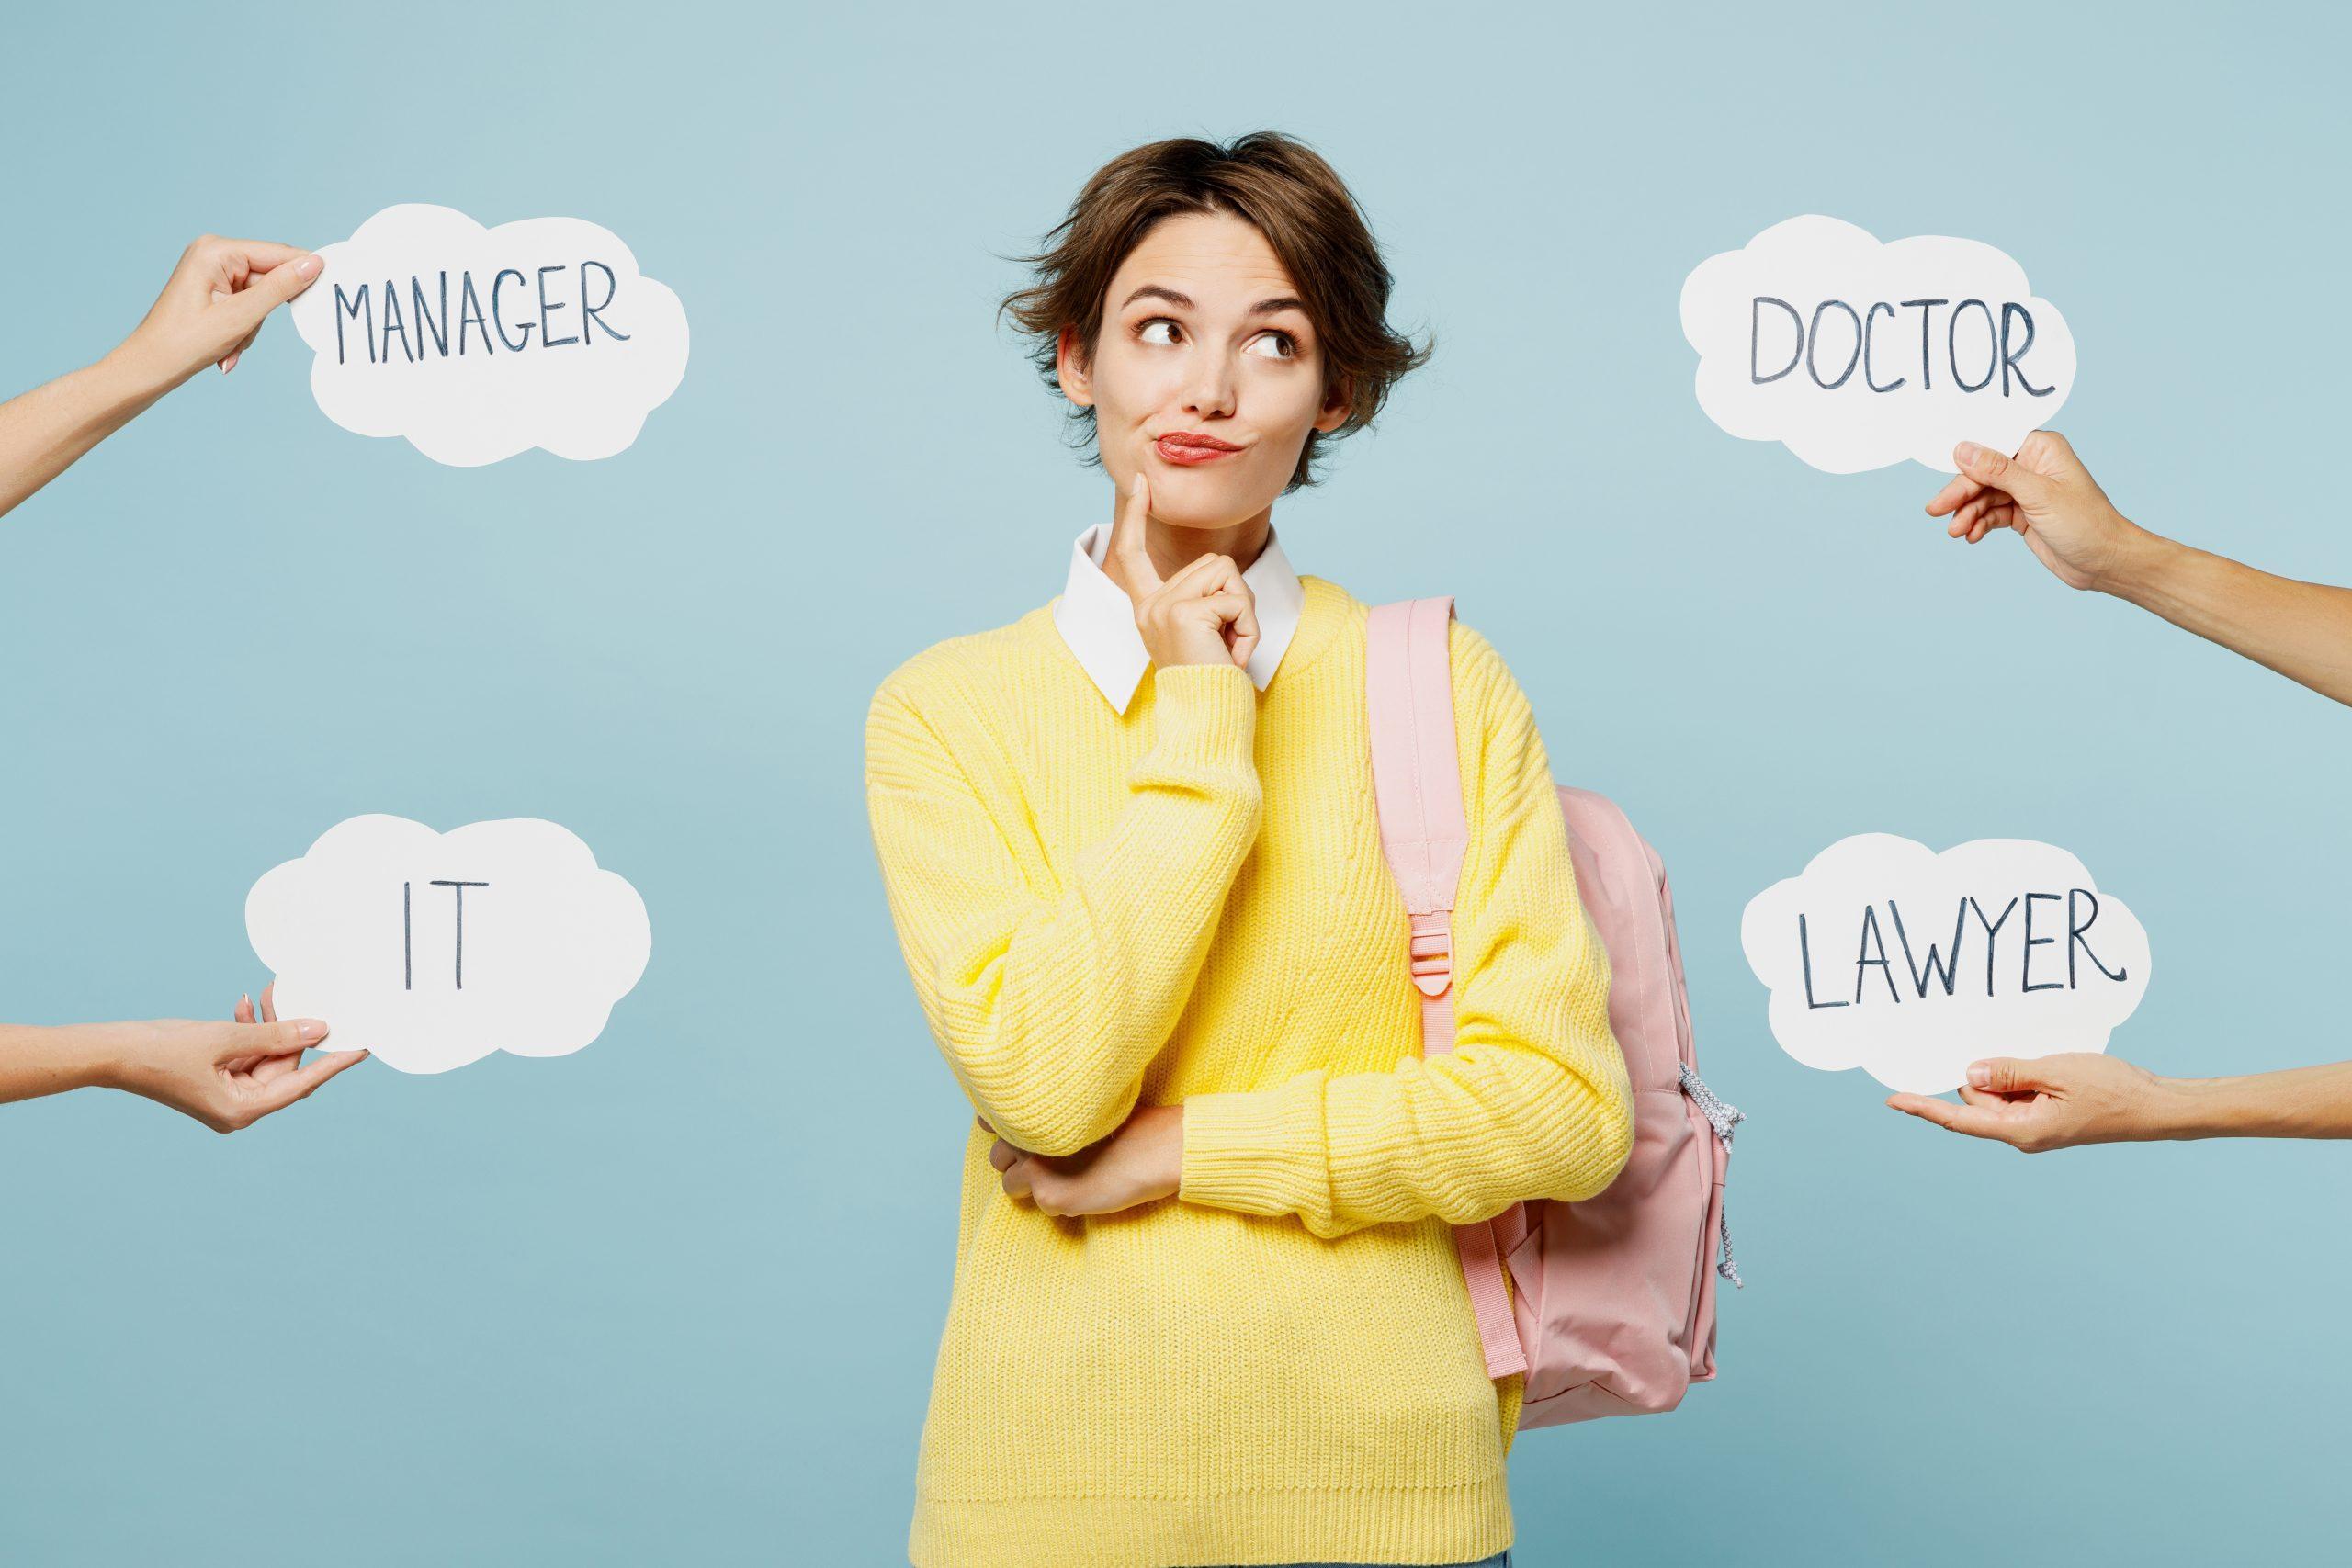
[1885,956]
[434,950]
[477,344]
[1855,354]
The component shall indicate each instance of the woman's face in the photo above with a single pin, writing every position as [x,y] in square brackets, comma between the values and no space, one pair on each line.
[1206,375]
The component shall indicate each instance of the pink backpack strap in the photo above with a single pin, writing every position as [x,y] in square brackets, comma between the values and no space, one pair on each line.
[1417,783]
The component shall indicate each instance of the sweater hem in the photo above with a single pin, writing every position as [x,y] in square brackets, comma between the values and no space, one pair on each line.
[1399,1525]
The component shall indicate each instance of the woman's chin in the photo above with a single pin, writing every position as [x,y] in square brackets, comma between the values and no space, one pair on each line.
[1183,499]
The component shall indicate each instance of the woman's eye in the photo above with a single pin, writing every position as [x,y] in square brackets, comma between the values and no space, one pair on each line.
[1272,345]
[1160,330]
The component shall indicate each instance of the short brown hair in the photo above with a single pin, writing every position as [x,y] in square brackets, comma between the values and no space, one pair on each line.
[1279,185]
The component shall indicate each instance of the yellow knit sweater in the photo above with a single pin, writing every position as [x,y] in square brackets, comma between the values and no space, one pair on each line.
[1189,903]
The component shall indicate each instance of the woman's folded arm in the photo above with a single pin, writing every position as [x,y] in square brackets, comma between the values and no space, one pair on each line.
[1532,1102]
[1049,1003]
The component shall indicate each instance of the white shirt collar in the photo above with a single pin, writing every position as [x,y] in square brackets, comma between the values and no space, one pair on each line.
[1097,619]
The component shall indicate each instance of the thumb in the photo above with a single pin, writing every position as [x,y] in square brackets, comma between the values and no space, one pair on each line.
[1988,466]
[266,292]
[283,1039]
[2006,1074]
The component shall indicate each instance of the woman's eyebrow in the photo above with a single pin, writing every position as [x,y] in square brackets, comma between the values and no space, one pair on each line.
[1184,301]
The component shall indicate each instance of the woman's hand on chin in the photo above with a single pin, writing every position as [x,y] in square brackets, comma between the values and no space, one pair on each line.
[1140,1162]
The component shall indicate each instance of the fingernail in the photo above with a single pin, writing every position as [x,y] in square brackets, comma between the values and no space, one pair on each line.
[1980,1075]
[1967,452]
[311,1030]
[244,1000]
[306,267]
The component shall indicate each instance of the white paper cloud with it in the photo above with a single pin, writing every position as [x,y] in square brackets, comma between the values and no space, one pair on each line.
[434,950]
[1884,955]
[1855,354]
[477,344]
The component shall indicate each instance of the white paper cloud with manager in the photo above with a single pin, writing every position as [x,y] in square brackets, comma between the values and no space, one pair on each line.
[477,344]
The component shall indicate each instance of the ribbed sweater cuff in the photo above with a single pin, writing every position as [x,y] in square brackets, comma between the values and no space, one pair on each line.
[1205,714]
[1257,1151]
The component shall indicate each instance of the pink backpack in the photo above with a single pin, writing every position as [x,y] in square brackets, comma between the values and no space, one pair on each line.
[1612,1307]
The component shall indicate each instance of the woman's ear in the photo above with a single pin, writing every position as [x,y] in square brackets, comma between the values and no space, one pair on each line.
[1069,368]
[1337,406]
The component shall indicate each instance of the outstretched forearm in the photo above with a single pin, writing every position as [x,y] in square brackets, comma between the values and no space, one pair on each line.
[2299,1103]
[34,1062]
[2303,630]
[45,431]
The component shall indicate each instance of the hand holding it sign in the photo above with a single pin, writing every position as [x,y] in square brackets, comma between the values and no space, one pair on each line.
[2303,630]
[227,1076]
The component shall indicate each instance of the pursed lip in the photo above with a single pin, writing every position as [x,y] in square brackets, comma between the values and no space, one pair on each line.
[1191,446]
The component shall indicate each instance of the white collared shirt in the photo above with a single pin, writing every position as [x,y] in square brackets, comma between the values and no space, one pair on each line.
[1097,619]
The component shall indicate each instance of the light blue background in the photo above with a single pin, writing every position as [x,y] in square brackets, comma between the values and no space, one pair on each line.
[676,1298]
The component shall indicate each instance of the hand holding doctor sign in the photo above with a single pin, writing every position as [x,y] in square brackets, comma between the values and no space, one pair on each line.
[208,313]
[2303,630]
[1204,615]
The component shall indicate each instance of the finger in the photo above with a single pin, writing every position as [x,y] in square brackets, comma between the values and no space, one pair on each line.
[229,361]
[298,1085]
[1226,610]
[248,1062]
[2008,1074]
[269,1002]
[266,292]
[1127,539]
[2002,514]
[1016,1179]
[1245,632]
[1002,1154]
[1990,467]
[1974,1121]
[258,1040]
[238,259]
[269,1069]
[1961,489]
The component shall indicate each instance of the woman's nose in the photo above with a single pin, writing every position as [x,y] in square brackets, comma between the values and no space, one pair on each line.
[1210,388]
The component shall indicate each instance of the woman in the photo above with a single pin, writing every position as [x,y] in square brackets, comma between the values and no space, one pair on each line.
[1208,1307]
